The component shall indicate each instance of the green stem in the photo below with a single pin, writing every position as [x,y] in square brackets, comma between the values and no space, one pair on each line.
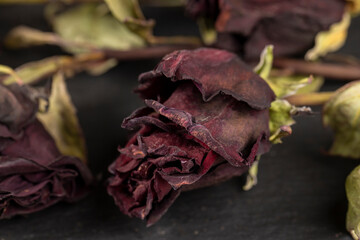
[310,99]
[144,53]
[328,70]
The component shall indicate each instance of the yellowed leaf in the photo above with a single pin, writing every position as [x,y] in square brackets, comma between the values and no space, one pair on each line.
[9,71]
[32,72]
[353,6]
[331,40]
[207,31]
[92,25]
[61,121]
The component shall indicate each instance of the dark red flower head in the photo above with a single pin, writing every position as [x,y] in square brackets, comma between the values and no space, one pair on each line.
[33,173]
[206,119]
[249,25]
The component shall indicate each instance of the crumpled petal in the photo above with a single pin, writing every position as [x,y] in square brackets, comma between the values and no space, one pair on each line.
[213,123]
[19,105]
[151,170]
[212,72]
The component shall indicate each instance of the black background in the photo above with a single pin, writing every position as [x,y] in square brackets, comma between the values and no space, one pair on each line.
[300,194]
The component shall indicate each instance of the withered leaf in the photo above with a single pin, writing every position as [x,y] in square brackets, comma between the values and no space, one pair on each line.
[32,72]
[90,24]
[61,121]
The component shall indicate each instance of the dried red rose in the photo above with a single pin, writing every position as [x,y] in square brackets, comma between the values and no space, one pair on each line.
[33,173]
[249,25]
[206,120]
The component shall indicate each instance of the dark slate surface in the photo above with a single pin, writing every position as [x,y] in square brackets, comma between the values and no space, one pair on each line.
[300,194]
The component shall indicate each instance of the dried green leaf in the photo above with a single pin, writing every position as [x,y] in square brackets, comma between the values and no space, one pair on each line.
[207,30]
[285,85]
[251,178]
[331,40]
[342,114]
[289,85]
[313,86]
[281,111]
[103,67]
[32,72]
[130,13]
[9,71]
[23,36]
[61,121]
[353,7]
[264,66]
[92,24]
[352,187]
[280,120]
[125,10]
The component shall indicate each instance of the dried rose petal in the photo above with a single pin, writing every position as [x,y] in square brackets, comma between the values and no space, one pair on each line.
[33,173]
[206,120]
[290,25]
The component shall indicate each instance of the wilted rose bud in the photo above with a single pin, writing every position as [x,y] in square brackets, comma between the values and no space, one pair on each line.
[206,120]
[33,173]
[248,26]
[342,114]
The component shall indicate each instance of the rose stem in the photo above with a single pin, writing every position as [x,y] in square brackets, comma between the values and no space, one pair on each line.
[310,99]
[333,71]
[145,53]
[163,3]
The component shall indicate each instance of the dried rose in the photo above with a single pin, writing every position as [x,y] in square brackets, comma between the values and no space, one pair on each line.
[206,120]
[33,173]
[249,25]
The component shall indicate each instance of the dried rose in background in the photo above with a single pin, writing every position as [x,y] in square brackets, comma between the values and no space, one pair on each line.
[206,120]
[247,26]
[34,174]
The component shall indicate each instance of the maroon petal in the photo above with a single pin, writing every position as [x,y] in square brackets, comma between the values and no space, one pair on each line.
[219,173]
[160,209]
[177,181]
[19,104]
[213,72]
[230,128]
[26,186]
[35,144]
[277,22]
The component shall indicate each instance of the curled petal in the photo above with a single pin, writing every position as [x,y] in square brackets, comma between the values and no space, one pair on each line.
[208,69]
